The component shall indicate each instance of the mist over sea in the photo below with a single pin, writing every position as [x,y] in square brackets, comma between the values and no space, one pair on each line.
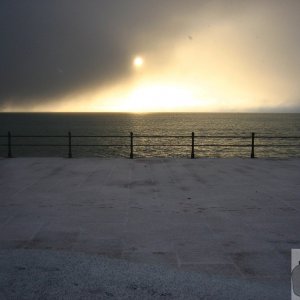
[204,124]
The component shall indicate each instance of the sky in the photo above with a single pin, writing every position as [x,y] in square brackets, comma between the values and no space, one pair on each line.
[196,55]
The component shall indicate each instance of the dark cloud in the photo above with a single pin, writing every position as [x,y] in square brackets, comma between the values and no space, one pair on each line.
[50,48]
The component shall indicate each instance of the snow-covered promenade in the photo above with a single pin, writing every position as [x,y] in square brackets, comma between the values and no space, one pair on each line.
[235,219]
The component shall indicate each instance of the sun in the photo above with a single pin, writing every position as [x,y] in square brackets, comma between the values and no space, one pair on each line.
[138,62]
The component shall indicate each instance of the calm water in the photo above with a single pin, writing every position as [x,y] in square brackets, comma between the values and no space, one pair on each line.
[151,124]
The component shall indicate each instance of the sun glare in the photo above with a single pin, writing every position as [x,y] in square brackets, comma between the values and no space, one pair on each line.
[157,98]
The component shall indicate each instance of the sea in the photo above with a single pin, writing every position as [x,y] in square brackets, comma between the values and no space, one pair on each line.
[277,135]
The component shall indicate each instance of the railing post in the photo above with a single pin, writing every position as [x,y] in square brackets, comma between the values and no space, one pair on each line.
[9,144]
[131,145]
[70,144]
[193,145]
[252,145]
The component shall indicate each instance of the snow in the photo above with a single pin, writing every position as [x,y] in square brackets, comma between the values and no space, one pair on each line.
[229,218]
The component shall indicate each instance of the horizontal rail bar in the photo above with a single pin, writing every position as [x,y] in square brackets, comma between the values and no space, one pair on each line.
[97,145]
[100,145]
[277,137]
[272,145]
[150,145]
[61,145]
[222,145]
[162,136]
[36,145]
[223,136]
[162,145]
[65,136]
[196,136]
[154,136]
[100,136]
[189,145]
[210,145]
[39,136]
[245,137]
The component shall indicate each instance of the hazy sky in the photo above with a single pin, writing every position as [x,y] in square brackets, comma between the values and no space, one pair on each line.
[199,55]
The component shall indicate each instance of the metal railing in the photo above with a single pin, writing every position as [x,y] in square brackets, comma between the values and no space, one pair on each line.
[131,145]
